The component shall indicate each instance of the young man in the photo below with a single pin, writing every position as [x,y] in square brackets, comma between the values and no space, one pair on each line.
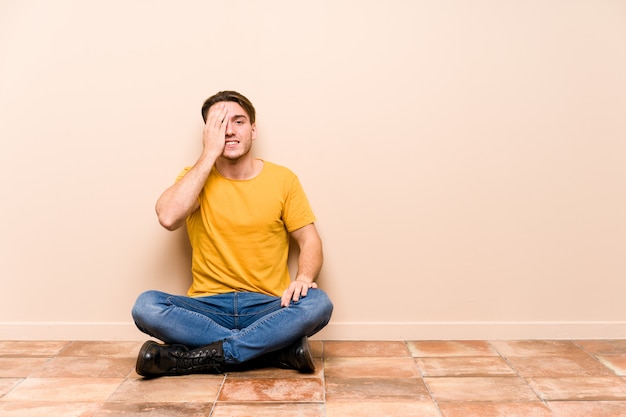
[242,307]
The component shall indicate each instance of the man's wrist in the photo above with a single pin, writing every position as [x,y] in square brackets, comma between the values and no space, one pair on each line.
[305,279]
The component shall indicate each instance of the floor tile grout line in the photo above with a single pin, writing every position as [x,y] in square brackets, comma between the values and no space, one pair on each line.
[597,359]
[66,347]
[324,378]
[217,396]
[13,388]
[538,394]
[423,379]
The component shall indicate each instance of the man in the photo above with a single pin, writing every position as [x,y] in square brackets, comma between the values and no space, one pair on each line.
[242,308]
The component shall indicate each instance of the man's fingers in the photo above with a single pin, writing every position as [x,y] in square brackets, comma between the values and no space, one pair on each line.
[286,298]
[216,117]
[215,128]
[302,292]
[296,290]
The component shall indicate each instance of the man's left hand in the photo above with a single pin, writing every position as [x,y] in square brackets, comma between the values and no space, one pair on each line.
[296,290]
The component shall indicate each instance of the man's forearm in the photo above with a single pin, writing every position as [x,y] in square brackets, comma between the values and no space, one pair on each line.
[181,199]
[311,255]
[309,265]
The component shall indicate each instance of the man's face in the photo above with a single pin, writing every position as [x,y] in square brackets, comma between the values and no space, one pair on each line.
[239,132]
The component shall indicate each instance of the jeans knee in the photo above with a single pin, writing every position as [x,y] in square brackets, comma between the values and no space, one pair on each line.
[144,306]
[326,304]
[320,306]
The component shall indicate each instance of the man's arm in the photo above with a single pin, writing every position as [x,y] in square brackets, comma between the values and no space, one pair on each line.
[309,263]
[181,199]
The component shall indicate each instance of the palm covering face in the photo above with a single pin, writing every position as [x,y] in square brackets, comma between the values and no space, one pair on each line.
[214,134]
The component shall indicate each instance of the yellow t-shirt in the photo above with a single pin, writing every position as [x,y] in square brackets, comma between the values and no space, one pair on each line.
[239,235]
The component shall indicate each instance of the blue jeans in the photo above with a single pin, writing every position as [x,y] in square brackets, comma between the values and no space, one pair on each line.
[249,324]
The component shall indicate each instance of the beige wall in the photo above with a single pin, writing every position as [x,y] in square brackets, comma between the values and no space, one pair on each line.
[466,159]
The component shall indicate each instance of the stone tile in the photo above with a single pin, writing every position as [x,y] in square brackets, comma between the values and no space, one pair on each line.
[381,409]
[376,389]
[79,367]
[617,363]
[47,409]
[161,409]
[464,366]
[20,367]
[603,347]
[280,373]
[428,349]
[64,389]
[268,410]
[30,348]
[272,389]
[7,384]
[169,389]
[588,408]
[102,349]
[365,348]
[496,389]
[364,378]
[536,348]
[371,367]
[587,388]
[580,364]
[509,409]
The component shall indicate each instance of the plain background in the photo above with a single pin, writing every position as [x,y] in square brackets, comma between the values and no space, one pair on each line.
[466,160]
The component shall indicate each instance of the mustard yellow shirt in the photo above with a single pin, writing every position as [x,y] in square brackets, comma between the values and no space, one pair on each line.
[239,235]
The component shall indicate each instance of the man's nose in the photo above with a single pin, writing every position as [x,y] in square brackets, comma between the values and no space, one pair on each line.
[229,129]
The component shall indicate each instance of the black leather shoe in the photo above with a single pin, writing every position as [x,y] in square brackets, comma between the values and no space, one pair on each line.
[297,356]
[160,360]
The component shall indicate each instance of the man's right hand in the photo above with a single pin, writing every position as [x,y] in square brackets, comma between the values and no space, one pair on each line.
[214,134]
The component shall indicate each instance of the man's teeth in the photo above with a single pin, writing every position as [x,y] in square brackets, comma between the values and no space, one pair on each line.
[231,142]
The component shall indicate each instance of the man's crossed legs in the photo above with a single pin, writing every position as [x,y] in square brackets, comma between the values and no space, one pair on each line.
[227,331]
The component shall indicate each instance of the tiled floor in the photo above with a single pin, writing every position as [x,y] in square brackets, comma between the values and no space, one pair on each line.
[404,378]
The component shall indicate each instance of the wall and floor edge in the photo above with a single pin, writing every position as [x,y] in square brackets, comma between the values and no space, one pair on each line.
[488,330]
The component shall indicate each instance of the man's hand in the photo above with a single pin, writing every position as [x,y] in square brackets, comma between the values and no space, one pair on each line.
[214,134]
[296,290]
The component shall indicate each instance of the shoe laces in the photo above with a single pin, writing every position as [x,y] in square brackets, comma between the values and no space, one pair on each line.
[198,360]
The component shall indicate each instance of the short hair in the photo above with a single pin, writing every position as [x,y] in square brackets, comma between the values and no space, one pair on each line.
[229,96]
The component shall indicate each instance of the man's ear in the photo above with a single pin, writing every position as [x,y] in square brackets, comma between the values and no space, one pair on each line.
[253,131]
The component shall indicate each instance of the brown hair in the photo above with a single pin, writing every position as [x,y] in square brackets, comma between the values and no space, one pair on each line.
[229,96]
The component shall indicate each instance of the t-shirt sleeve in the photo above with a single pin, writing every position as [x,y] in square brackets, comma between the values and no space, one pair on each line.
[182,173]
[297,212]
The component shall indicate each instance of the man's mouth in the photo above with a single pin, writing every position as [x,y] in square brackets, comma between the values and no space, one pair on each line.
[231,142]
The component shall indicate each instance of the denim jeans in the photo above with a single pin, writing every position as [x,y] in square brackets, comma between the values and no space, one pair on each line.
[249,324]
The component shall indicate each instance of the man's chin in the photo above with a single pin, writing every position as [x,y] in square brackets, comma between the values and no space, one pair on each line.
[232,156]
